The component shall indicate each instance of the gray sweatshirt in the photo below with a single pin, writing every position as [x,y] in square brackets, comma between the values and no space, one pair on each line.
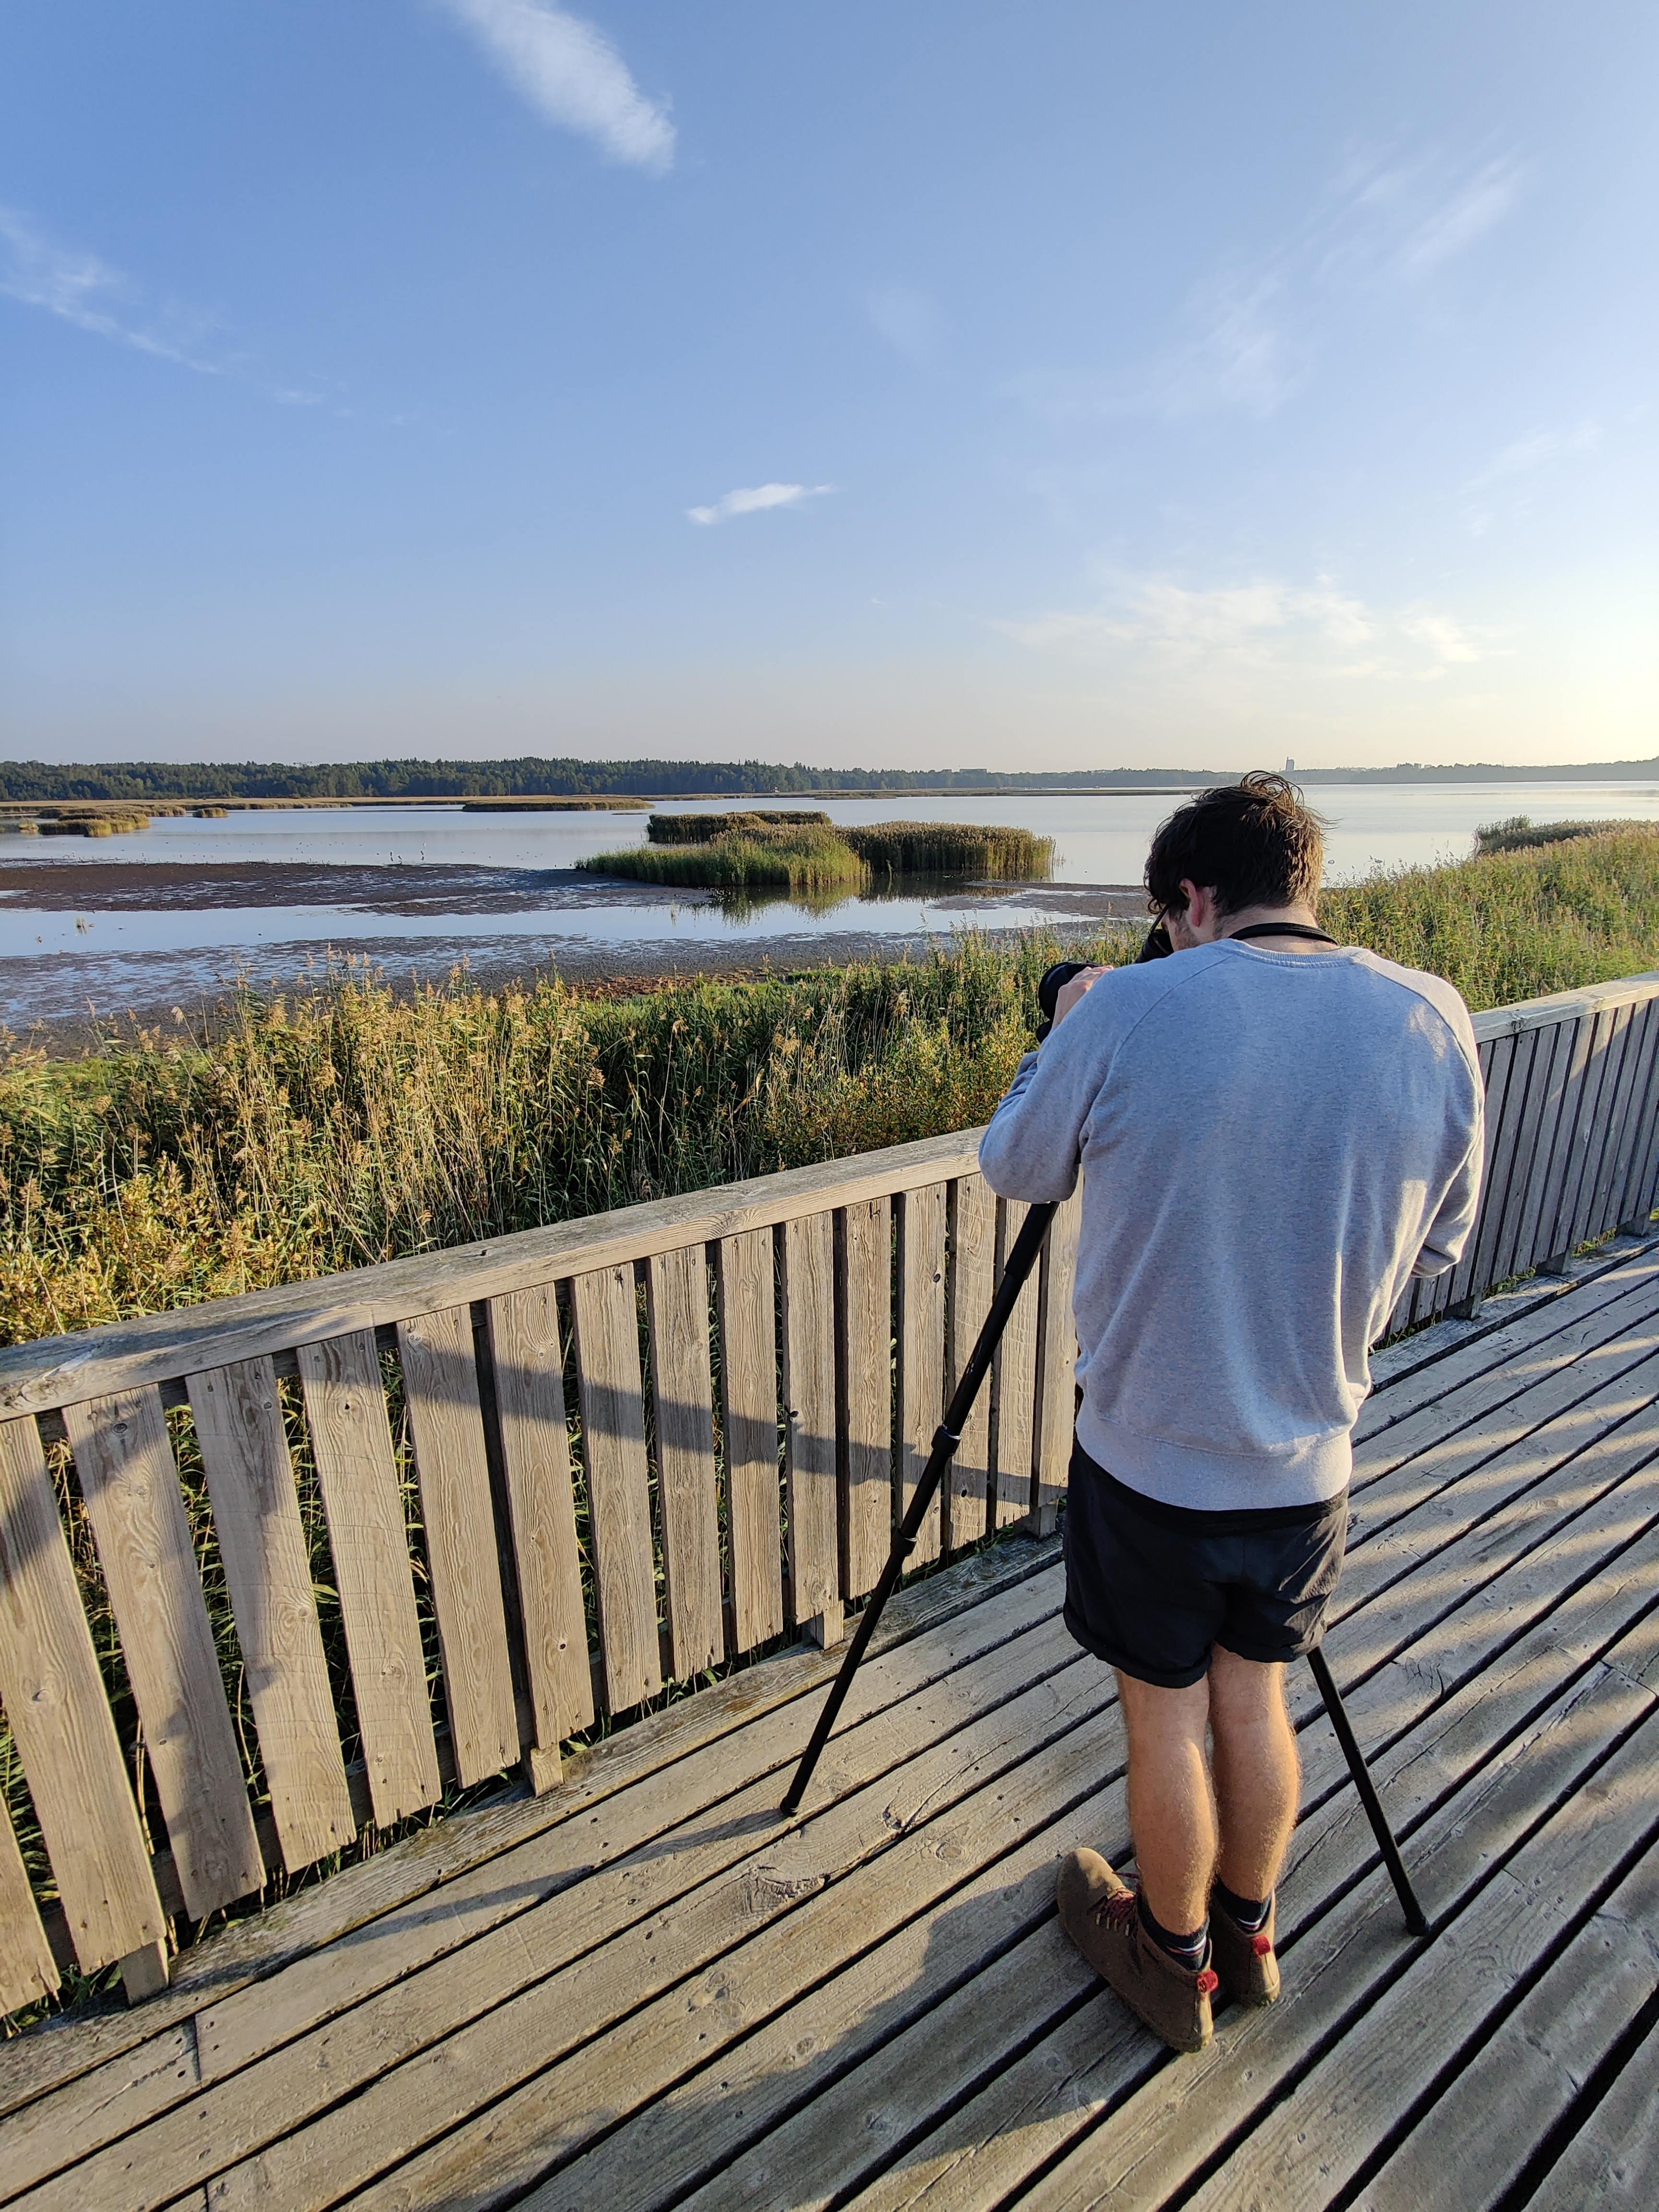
[1272,1144]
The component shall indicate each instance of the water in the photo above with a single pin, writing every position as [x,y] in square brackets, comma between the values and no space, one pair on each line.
[145,919]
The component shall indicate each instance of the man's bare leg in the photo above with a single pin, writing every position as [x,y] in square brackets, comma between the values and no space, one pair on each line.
[1171,1810]
[1258,1776]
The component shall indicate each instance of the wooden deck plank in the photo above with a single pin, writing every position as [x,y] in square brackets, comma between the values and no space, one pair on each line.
[808,1280]
[749,1423]
[683,1400]
[527,1354]
[606,1320]
[830,2146]
[60,1719]
[1481,2130]
[262,1540]
[560,2005]
[1611,2164]
[345,1411]
[123,1457]
[652,1818]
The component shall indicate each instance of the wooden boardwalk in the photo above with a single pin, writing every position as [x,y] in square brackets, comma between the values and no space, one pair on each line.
[644,1990]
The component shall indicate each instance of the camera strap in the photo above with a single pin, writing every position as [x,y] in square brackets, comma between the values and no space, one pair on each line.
[1280,929]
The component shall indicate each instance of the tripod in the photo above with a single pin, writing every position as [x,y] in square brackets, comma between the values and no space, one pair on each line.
[1021,1261]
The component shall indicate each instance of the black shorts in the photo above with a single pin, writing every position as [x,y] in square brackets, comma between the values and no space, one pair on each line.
[1150,1588]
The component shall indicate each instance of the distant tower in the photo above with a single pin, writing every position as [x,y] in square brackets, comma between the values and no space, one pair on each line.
[1290,767]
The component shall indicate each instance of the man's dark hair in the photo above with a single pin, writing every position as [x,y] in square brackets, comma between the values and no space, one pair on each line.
[1253,842]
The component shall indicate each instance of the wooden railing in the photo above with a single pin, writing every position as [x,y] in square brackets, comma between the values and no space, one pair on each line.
[534,1481]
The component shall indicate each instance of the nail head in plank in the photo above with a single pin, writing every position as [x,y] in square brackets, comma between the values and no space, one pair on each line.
[683,1398]
[865,1314]
[606,1317]
[123,1457]
[441,1387]
[345,1411]
[1015,1379]
[921,1350]
[749,1426]
[262,1541]
[973,1231]
[60,1718]
[529,1361]
[808,1249]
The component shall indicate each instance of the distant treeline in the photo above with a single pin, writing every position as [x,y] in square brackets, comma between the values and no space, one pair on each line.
[39,783]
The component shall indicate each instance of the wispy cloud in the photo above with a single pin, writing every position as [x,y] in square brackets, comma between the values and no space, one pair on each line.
[1265,623]
[1501,485]
[756,499]
[1250,333]
[573,74]
[81,289]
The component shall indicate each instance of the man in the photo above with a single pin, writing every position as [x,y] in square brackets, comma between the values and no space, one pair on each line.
[1274,1133]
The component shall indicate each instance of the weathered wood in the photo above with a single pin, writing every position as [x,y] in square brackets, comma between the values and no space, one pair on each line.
[1013,1392]
[27,1969]
[1644,1149]
[441,1388]
[123,1457]
[1513,1230]
[1485,2124]
[262,1541]
[1589,1129]
[920,1333]
[1633,1077]
[1612,2163]
[606,1315]
[357,1474]
[749,1428]
[1506,1093]
[683,1398]
[157,1346]
[808,1277]
[55,1705]
[1562,1106]
[864,1318]
[1611,1101]
[1456,1286]
[1056,1376]
[973,1228]
[529,1362]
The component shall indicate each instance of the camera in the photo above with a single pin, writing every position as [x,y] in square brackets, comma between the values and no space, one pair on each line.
[1054,980]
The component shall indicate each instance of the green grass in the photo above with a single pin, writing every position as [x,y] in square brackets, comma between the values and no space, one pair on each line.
[804,859]
[953,849]
[704,828]
[1519,833]
[804,852]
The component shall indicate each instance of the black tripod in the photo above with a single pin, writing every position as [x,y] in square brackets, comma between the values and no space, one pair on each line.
[946,1437]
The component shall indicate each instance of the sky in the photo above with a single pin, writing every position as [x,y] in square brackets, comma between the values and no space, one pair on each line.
[1038,384]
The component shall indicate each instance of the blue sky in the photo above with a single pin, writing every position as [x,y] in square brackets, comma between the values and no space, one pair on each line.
[1044,384]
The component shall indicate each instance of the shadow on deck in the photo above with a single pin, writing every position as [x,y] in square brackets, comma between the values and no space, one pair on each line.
[644,1990]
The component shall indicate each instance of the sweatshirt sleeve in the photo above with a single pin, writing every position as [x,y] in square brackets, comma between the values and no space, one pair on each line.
[1033,1147]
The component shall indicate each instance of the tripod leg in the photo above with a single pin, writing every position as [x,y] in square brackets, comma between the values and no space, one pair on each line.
[1415,1922]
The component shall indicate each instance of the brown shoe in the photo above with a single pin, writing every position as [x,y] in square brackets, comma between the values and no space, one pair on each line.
[1101,1915]
[1247,1966]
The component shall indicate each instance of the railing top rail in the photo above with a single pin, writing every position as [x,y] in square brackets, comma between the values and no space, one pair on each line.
[64,1370]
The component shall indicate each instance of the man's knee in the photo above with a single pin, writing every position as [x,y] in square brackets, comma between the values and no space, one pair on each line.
[1154,1715]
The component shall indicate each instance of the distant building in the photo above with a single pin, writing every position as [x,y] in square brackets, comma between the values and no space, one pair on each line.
[1290,767]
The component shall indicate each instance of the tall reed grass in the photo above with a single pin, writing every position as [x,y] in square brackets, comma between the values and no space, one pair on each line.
[953,849]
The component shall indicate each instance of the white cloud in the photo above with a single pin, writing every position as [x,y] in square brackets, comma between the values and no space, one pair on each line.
[1475,207]
[755,500]
[1495,488]
[1267,623]
[568,70]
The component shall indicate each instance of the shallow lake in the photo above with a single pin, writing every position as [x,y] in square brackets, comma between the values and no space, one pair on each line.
[170,914]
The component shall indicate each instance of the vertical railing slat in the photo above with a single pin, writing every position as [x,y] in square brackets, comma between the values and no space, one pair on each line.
[528,1357]
[1494,1063]
[606,1317]
[262,1540]
[1612,1105]
[1056,1381]
[357,1474]
[864,1312]
[973,1229]
[1543,1175]
[123,1457]
[808,1270]
[683,1397]
[441,1388]
[749,1423]
[922,1218]
[1014,1399]
[28,1970]
[1586,1131]
[1506,1090]
[60,1718]
[1642,1148]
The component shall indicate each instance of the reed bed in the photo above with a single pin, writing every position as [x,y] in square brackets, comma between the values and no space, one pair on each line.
[805,852]
[805,860]
[704,828]
[953,849]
